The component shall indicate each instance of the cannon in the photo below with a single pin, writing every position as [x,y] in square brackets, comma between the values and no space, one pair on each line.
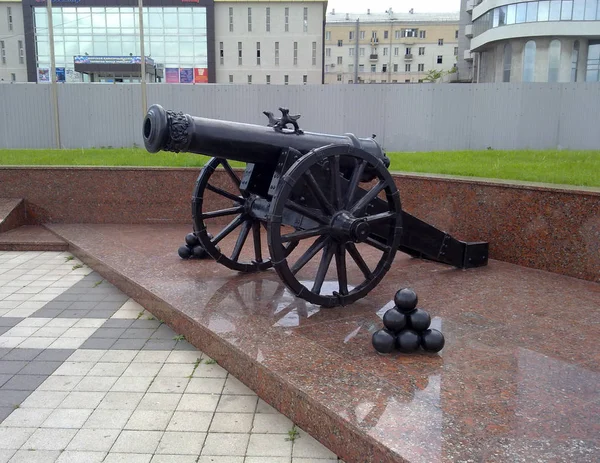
[320,198]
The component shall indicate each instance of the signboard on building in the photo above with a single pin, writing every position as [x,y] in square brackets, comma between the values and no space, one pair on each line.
[172,75]
[186,75]
[200,75]
[85,59]
[43,75]
[60,74]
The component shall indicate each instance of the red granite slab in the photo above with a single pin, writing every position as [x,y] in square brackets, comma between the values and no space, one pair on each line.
[31,238]
[12,213]
[518,379]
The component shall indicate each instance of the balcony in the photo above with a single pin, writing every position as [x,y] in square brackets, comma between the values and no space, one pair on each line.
[469,31]
[470,6]
[373,57]
[468,56]
[408,57]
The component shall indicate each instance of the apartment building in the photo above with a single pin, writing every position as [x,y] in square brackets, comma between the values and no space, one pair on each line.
[13,67]
[269,42]
[389,47]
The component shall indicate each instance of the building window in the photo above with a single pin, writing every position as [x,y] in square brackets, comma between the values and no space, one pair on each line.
[529,62]
[396,51]
[305,19]
[230,19]
[553,61]
[231,78]
[407,67]
[13,77]
[340,43]
[339,60]
[421,68]
[373,35]
[2,52]
[287,19]
[408,50]
[578,10]
[351,35]
[384,68]
[574,61]
[328,52]
[10,18]
[249,78]
[240,53]
[286,79]
[350,81]
[590,10]
[439,59]
[385,34]
[456,34]
[351,68]
[221,53]
[422,34]
[21,52]
[507,62]
[249,19]
[268,79]
[328,35]
[350,51]
[455,51]
[421,51]
[397,35]
[395,68]
[314,53]
[305,79]
[362,35]
[385,51]
[361,51]
[593,62]
[276,53]
[373,68]
[295,53]
[361,68]
[269,22]
[440,42]
[339,77]
[258,53]
[407,81]
[420,81]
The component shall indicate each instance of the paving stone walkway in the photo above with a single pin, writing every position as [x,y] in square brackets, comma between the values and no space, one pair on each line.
[87,375]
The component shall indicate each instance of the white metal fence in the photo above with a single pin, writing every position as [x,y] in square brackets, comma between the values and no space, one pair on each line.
[404,117]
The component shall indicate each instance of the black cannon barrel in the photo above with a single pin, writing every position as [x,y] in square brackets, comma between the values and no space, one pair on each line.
[171,131]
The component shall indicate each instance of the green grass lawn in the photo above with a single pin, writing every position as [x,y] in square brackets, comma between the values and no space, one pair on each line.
[581,168]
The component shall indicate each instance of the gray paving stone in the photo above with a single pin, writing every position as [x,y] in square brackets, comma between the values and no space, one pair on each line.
[46,313]
[22,354]
[118,323]
[109,305]
[10,321]
[83,305]
[129,344]
[159,344]
[138,333]
[100,314]
[4,329]
[12,399]
[145,324]
[23,383]
[184,345]
[4,412]
[55,355]
[40,368]
[66,296]
[164,332]
[4,351]
[108,333]
[115,297]
[79,313]
[98,343]
[11,366]
[4,379]
[54,304]
[88,297]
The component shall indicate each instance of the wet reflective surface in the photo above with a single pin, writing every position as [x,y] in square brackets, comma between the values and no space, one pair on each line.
[518,379]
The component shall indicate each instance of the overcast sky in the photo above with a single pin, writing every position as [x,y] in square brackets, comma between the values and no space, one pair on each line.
[379,6]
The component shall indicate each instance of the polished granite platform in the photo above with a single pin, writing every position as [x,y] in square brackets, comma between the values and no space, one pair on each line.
[31,238]
[517,381]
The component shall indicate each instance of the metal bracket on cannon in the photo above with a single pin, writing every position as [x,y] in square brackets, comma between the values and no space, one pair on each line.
[280,124]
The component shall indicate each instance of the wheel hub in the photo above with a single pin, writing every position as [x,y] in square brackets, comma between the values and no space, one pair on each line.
[346,227]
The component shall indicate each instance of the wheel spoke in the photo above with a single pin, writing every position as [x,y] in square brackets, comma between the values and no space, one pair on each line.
[357,258]
[340,263]
[379,217]
[366,199]
[310,213]
[353,185]
[336,187]
[228,229]
[378,245]
[221,192]
[323,267]
[257,242]
[303,234]
[309,254]
[315,189]
[230,172]
[239,244]
[222,212]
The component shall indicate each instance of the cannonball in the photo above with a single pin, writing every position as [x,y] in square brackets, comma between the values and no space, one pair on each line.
[407,340]
[191,240]
[406,300]
[184,252]
[383,341]
[198,252]
[210,237]
[432,340]
[418,320]
[394,320]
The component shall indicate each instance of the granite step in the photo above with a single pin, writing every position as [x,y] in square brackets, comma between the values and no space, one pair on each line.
[12,213]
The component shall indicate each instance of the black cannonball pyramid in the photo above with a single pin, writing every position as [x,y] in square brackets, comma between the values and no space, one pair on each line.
[198,252]
[191,240]
[383,341]
[184,252]
[418,320]
[394,320]
[407,340]
[432,340]
[406,300]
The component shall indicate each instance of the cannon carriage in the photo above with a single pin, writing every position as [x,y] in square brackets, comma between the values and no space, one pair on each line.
[320,198]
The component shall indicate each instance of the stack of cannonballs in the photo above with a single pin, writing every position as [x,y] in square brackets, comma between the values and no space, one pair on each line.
[192,248]
[407,327]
